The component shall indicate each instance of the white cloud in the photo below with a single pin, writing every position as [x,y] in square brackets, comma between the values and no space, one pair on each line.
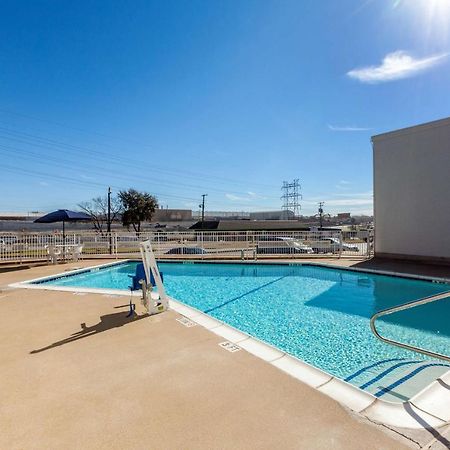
[355,202]
[342,202]
[347,128]
[395,66]
[247,198]
[368,194]
[349,202]
[343,184]
[235,198]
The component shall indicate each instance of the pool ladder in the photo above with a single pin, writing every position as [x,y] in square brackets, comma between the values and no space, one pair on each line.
[409,305]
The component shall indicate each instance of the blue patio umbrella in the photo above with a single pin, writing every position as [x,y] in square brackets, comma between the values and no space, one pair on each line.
[63,215]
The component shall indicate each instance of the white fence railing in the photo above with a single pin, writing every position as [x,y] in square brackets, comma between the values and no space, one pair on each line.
[24,247]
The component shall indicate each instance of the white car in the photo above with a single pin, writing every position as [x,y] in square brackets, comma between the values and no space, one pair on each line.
[282,245]
[332,245]
[7,242]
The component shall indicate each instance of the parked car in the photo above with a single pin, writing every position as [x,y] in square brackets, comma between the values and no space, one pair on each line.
[278,245]
[129,238]
[7,242]
[186,251]
[332,245]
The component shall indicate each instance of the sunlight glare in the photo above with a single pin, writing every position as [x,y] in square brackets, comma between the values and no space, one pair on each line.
[434,15]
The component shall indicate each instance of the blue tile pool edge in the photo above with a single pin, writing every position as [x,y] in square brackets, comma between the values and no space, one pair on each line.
[426,407]
[70,273]
[40,283]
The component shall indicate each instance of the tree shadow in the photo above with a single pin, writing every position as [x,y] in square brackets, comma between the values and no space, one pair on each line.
[107,322]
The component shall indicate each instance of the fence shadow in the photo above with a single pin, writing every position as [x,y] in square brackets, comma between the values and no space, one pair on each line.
[435,433]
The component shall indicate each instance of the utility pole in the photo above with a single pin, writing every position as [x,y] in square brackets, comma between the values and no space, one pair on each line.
[109,221]
[202,206]
[321,213]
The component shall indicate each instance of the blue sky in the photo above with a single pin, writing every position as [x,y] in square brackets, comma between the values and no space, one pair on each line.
[228,98]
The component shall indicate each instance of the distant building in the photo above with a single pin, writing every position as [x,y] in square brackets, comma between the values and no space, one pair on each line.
[343,216]
[21,215]
[411,192]
[172,215]
[249,225]
[271,215]
[231,215]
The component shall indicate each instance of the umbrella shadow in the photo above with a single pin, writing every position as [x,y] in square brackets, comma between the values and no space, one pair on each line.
[107,322]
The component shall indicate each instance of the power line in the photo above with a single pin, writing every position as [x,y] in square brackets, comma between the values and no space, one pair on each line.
[90,169]
[183,173]
[125,162]
[71,180]
[73,152]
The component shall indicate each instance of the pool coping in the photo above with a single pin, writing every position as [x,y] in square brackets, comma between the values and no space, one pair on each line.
[428,408]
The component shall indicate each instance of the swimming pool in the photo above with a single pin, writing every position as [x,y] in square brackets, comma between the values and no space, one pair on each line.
[317,314]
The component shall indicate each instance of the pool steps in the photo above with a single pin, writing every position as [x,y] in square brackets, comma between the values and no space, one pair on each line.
[429,408]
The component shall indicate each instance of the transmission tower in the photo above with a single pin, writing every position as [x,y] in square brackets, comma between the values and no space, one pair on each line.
[291,198]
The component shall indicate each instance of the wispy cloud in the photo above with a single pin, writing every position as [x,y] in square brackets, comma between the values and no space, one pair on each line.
[245,198]
[256,196]
[396,66]
[343,184]
[237,198]
[43,183]
[366,195]
[354,202]
[347,128]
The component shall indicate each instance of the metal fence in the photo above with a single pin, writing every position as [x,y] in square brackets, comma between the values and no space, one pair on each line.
[23,247]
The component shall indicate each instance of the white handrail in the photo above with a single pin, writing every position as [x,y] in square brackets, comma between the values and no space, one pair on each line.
[409,305]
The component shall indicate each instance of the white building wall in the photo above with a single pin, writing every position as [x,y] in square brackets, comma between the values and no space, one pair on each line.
[412,192]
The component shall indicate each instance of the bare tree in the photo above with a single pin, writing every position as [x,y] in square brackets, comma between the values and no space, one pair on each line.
[97,208]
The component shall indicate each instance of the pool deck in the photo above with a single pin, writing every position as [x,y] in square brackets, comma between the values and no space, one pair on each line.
[154,383]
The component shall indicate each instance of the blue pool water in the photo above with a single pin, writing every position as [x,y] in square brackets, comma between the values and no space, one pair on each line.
[320,315]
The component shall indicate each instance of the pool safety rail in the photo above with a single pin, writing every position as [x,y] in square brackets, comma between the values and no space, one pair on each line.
[238,245]
[405,306]
[428,408]
[150,267]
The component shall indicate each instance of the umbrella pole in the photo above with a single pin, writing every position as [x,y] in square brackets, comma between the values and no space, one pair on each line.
[64,241]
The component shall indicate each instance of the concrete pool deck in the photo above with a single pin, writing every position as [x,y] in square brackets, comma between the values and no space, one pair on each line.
[153,383]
